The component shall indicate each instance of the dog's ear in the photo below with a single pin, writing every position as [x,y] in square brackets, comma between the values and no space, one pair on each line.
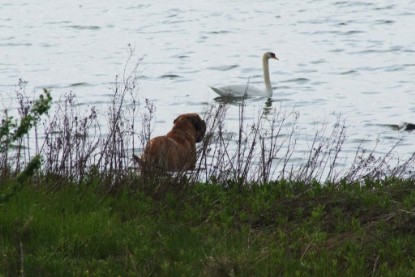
[200,126]
[202,131]
[177,118]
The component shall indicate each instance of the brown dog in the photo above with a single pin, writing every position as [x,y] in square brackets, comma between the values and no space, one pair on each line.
[175,151]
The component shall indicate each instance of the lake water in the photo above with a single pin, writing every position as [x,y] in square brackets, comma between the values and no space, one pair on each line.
[353,58]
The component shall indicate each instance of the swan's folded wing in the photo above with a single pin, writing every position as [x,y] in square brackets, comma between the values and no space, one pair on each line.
[238,91]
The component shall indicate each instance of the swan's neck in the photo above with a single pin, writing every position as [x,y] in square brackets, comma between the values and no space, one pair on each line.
[267,81]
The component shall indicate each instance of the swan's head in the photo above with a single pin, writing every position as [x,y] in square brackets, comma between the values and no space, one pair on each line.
[270,55]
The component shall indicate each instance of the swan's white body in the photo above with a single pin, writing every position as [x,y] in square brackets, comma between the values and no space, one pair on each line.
[248,90]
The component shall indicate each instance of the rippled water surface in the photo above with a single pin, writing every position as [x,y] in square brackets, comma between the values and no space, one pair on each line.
[354,58]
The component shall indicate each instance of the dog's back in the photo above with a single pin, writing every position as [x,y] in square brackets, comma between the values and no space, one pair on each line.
[166,154]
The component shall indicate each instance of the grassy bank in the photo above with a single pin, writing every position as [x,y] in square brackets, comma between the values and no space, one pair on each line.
[72,203]
[276,229]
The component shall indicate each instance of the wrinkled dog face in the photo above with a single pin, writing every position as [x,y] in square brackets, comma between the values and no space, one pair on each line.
[198,123]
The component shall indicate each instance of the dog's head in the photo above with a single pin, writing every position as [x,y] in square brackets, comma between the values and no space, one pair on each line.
[194,119]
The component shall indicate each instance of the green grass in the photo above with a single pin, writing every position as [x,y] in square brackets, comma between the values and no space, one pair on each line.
[279,229]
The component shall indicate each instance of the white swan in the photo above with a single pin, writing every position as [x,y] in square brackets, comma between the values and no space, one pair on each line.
[248,90]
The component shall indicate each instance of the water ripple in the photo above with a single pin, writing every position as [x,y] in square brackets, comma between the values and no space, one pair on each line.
[170,76]
[223,67]
[349,72]
[82,27]
[384,22]
[16,44]
[297,80]
[353,3]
